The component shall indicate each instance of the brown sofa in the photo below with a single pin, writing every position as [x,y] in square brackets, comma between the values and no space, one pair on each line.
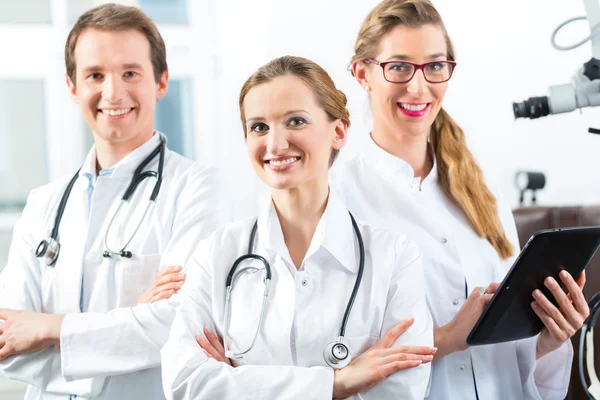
[532,219]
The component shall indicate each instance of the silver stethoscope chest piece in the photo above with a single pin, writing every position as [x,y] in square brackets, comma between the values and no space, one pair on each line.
[337,354]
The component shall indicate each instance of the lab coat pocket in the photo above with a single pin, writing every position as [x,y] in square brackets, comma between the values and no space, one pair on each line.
[133,276]
[360,344]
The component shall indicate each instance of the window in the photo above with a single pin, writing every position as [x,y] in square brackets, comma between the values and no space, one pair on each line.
[22,135]
[171,12]
[174,117]
[25,12]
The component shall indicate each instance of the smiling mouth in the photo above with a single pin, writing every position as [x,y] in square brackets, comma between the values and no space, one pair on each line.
[282,163]
[413,110]
[115,112]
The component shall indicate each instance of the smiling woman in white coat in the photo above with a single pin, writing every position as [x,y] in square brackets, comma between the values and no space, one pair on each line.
[416,173]
[87,318]
[281,311]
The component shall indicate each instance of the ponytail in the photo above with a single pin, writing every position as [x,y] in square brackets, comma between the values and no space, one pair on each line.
[462,181]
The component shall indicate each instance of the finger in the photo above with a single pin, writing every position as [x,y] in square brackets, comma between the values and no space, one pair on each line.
[215,341]
[476,292]
[5,313]
[170,277]
[396,366]
[207,354]
[161,296]
[417,350]
[169,270]
[394,333]
[486,298]
[564,303]
[406,357]
[169,286]
[576,295]
[551,310]
[205,345]
[493,287]
[550,323]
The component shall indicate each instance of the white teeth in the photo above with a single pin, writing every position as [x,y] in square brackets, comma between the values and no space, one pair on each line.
[116,112]
[413,107]
[278,163]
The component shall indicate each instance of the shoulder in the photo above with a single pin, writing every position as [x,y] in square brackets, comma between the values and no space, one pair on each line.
[391,248]
[186,169]
[225,244]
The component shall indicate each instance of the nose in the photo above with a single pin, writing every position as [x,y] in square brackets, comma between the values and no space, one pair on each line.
[417,84]
[113,89]
[277,141]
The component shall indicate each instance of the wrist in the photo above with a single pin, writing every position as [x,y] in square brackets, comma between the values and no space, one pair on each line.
[51,335]
[339,389]
[542,348]
[445,341]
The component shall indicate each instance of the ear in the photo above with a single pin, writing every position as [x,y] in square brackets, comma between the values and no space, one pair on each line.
[72,89]
[361,70]
[341,134]
[162,85]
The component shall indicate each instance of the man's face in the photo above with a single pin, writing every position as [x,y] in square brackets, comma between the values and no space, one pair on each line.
[115,84]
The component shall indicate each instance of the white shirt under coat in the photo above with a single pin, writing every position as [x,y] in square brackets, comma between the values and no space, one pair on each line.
[111,350]
[303,313]
[382,189]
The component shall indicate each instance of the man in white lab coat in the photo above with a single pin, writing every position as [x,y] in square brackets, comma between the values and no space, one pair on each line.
[91,323]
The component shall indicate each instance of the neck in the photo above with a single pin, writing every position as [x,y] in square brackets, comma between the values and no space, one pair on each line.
[109,153]
[412,149]
[299,211]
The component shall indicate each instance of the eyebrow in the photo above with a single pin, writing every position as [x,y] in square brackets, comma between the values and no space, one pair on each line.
[405,57]
[257,119]
[93,68]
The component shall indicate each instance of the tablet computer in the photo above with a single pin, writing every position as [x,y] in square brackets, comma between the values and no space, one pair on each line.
[509,315]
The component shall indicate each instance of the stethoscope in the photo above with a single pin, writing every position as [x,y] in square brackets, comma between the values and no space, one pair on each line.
[50,248]
[336,354]
[587,339]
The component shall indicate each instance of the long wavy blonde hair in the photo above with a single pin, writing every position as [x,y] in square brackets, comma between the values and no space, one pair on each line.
[459,174]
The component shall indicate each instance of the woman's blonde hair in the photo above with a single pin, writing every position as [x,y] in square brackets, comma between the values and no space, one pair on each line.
[459,174]
[332,100]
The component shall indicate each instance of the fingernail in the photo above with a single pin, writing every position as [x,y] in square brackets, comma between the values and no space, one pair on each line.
[537,294]
[533,304]
[434,349]
[429,357]
[549,281]
[564,274]
[418,362]
[181,275]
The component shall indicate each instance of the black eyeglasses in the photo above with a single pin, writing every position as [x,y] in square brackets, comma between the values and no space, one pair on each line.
[403,71]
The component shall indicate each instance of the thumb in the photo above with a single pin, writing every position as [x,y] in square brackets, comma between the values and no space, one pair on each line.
[394,333]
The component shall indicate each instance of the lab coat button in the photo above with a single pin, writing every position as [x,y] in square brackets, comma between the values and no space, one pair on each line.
[462,367]
[455,302]
[444,240]
[304,282]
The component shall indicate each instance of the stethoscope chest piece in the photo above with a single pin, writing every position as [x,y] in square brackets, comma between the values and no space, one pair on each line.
[49,249]
[337,355]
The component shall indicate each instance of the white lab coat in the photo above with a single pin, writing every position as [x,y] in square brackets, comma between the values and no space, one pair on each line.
[303,312]
[111,350]
[381,188]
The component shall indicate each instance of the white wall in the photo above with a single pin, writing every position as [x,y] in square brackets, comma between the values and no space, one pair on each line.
[504,55]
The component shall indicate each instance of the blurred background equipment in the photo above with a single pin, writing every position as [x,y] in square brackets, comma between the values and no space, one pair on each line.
[584,89]
[525,180]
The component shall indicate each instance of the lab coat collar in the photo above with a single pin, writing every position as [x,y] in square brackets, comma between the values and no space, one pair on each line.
[334,233]
[385,161]
[125,166]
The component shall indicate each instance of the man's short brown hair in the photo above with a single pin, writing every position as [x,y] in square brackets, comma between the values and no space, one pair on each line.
[115,17]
